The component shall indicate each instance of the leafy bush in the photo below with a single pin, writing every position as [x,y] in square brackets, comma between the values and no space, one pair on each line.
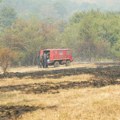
[7,56]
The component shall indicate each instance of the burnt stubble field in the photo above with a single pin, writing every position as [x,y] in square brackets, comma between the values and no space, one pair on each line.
[76,93]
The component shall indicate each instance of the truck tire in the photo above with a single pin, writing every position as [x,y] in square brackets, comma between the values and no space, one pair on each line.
[68,63]
[56,64]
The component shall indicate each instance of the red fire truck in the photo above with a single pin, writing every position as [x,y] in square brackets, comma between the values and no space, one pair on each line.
[58,57]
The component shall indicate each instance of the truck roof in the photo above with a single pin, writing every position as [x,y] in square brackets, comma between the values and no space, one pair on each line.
[55,49]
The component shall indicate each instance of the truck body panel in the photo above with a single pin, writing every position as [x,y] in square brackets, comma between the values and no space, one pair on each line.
[60,55]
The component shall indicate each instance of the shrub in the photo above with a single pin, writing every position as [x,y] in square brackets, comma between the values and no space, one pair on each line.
[7,56]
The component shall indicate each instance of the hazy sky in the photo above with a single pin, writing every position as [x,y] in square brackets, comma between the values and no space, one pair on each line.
[100,1]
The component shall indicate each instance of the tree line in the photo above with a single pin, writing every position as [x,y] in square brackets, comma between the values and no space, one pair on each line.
[92,35]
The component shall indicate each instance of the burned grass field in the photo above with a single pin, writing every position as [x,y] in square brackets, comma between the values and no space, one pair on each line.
[64,94]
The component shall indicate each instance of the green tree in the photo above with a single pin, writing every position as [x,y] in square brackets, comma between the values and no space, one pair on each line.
[84,35]
[27,37]
[116,49]
[7,17]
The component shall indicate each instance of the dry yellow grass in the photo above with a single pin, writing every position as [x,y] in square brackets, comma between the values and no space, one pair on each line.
[85,104]
[72,104]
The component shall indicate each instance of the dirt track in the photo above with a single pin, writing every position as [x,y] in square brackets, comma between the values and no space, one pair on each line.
[61,71]
[65,72]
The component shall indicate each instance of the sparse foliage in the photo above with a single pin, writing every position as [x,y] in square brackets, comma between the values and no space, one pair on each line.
[7,56]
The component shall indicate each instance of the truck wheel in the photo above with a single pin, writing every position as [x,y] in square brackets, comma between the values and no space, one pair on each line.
[56,64]
[67,63]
